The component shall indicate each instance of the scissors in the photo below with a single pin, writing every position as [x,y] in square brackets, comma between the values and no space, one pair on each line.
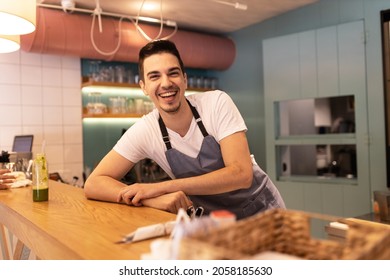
[193,212]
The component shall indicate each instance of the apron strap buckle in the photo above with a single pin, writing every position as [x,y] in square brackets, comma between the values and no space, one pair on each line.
[167,142]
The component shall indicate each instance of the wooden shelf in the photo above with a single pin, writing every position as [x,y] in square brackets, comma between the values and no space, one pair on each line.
[109,87]
[90,83]
[110,115]
[107,115]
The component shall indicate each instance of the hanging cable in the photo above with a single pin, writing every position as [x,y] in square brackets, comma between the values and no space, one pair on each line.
[103,13]
[142,32]
[97,13]
[236,5]
[139,29]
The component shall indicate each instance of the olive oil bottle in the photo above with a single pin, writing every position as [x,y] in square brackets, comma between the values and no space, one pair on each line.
[40,176]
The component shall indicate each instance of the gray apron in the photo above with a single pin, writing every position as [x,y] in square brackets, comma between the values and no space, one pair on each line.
[260,196]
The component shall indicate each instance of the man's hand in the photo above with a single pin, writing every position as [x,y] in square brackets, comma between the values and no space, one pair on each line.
[135,193]
[170,202]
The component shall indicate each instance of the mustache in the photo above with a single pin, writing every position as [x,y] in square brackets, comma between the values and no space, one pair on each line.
[171,88]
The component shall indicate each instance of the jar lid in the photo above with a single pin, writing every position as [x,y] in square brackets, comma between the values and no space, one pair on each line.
[223,216]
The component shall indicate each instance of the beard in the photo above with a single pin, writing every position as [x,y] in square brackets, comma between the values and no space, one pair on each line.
[172,109]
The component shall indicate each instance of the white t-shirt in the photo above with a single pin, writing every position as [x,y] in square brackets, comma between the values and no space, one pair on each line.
[219,115]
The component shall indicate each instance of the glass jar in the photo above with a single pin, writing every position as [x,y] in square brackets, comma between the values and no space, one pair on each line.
[40,177]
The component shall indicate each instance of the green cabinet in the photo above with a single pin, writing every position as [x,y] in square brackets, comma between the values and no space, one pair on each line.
[305,75]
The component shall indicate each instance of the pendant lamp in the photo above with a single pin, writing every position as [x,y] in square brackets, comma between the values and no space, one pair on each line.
[9,43]
[17,17]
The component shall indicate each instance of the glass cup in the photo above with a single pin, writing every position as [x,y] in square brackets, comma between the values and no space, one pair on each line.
[382,198]
[40,176]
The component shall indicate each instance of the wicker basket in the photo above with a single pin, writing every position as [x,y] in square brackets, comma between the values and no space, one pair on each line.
[287,232]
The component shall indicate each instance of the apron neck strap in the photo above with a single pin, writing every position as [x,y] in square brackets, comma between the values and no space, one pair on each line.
[198,119]
[164,131]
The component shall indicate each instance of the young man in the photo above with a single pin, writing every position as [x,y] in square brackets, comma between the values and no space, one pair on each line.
[198,140]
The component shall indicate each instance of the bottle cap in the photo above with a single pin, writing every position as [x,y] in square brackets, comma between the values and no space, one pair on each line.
[223,217]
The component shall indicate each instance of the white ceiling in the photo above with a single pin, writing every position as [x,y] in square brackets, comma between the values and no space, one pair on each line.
[201,15]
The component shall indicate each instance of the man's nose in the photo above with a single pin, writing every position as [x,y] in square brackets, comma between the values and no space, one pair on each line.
[165,81]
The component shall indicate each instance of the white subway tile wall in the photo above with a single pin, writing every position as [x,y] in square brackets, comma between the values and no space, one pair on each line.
[40,95]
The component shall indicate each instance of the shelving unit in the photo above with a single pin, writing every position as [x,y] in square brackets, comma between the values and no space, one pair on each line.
[90,83]
[323,139]
[118,89]
[101,85]
[110,89]
[328,140]
[114,116]
[304,74]
[101,131]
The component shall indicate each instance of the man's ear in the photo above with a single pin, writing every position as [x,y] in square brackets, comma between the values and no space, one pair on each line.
[185,79]
[142,85]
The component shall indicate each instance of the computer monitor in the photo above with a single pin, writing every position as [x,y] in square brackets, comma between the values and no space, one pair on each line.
[23,143]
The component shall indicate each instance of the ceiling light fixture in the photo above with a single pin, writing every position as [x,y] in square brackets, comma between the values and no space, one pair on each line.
[158,37]
[236,5]
[150,6]
[17,17]
[68,5]
[9,43]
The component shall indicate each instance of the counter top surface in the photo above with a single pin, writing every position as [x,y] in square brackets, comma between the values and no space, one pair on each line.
[69,226]
[372,217]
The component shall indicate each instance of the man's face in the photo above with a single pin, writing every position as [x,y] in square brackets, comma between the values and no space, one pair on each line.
[164,82]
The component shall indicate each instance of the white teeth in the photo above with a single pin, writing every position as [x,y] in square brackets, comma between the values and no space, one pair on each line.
[167,94]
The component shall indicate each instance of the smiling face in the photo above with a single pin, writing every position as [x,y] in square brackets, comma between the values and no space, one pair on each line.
[164,82]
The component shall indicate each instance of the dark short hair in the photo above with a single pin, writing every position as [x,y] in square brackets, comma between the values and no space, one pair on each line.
[154,47]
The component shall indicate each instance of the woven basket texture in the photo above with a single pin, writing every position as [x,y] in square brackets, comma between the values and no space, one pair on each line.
[287,232]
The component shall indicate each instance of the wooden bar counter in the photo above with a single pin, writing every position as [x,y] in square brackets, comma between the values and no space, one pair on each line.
[69,226]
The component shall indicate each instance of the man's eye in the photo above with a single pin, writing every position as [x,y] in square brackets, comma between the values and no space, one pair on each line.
[153,77]
[175,74]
